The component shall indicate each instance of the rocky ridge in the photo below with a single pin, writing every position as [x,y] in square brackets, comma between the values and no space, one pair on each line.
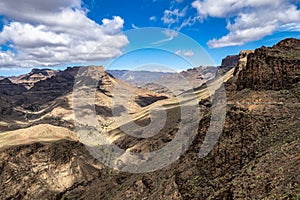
[272,68]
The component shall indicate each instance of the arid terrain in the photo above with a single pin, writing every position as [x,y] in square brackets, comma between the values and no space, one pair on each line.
[256,157]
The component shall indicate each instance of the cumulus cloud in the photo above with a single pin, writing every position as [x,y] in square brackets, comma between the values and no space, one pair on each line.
[56,32]
[249,20]
[186,53]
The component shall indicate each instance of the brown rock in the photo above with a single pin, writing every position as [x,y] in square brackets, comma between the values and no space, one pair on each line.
[230,61]
[273,68]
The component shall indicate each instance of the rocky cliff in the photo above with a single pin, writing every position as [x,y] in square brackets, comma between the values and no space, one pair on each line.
[272,68]
[230,61]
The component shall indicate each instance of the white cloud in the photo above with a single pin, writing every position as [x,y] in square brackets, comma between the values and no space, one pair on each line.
[290,27]
[186,53]
[152,18]
[176,18]
[56,32]
[173,16]
[6,59]
[252,19]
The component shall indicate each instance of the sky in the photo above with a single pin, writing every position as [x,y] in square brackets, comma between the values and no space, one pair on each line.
[119,34]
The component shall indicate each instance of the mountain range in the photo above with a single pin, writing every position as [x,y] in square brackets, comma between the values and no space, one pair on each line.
[255,157]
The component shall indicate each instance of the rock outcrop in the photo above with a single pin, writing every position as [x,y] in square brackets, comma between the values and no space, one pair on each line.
[230,61]
[272,68]
[242,62]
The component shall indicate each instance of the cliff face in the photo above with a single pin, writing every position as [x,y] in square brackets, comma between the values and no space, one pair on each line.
[51,88]
[236,61]
[242,61]
[273,68]
[230,61]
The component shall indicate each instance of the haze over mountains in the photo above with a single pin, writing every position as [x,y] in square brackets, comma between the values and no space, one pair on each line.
[256,156]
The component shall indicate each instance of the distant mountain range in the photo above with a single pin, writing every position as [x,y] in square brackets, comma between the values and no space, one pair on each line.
[156,81]
[137,78]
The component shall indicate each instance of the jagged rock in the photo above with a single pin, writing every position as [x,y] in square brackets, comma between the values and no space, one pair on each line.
[273,68]
[242,62]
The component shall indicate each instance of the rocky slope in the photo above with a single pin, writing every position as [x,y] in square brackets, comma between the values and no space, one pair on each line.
[272,68]
[10,95]
[256,157]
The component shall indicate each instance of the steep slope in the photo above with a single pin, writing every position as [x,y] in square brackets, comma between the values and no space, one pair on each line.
[10,95]
[272,68]
[8,88]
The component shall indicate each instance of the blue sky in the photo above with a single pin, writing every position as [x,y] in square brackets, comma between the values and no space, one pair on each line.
[60,33]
